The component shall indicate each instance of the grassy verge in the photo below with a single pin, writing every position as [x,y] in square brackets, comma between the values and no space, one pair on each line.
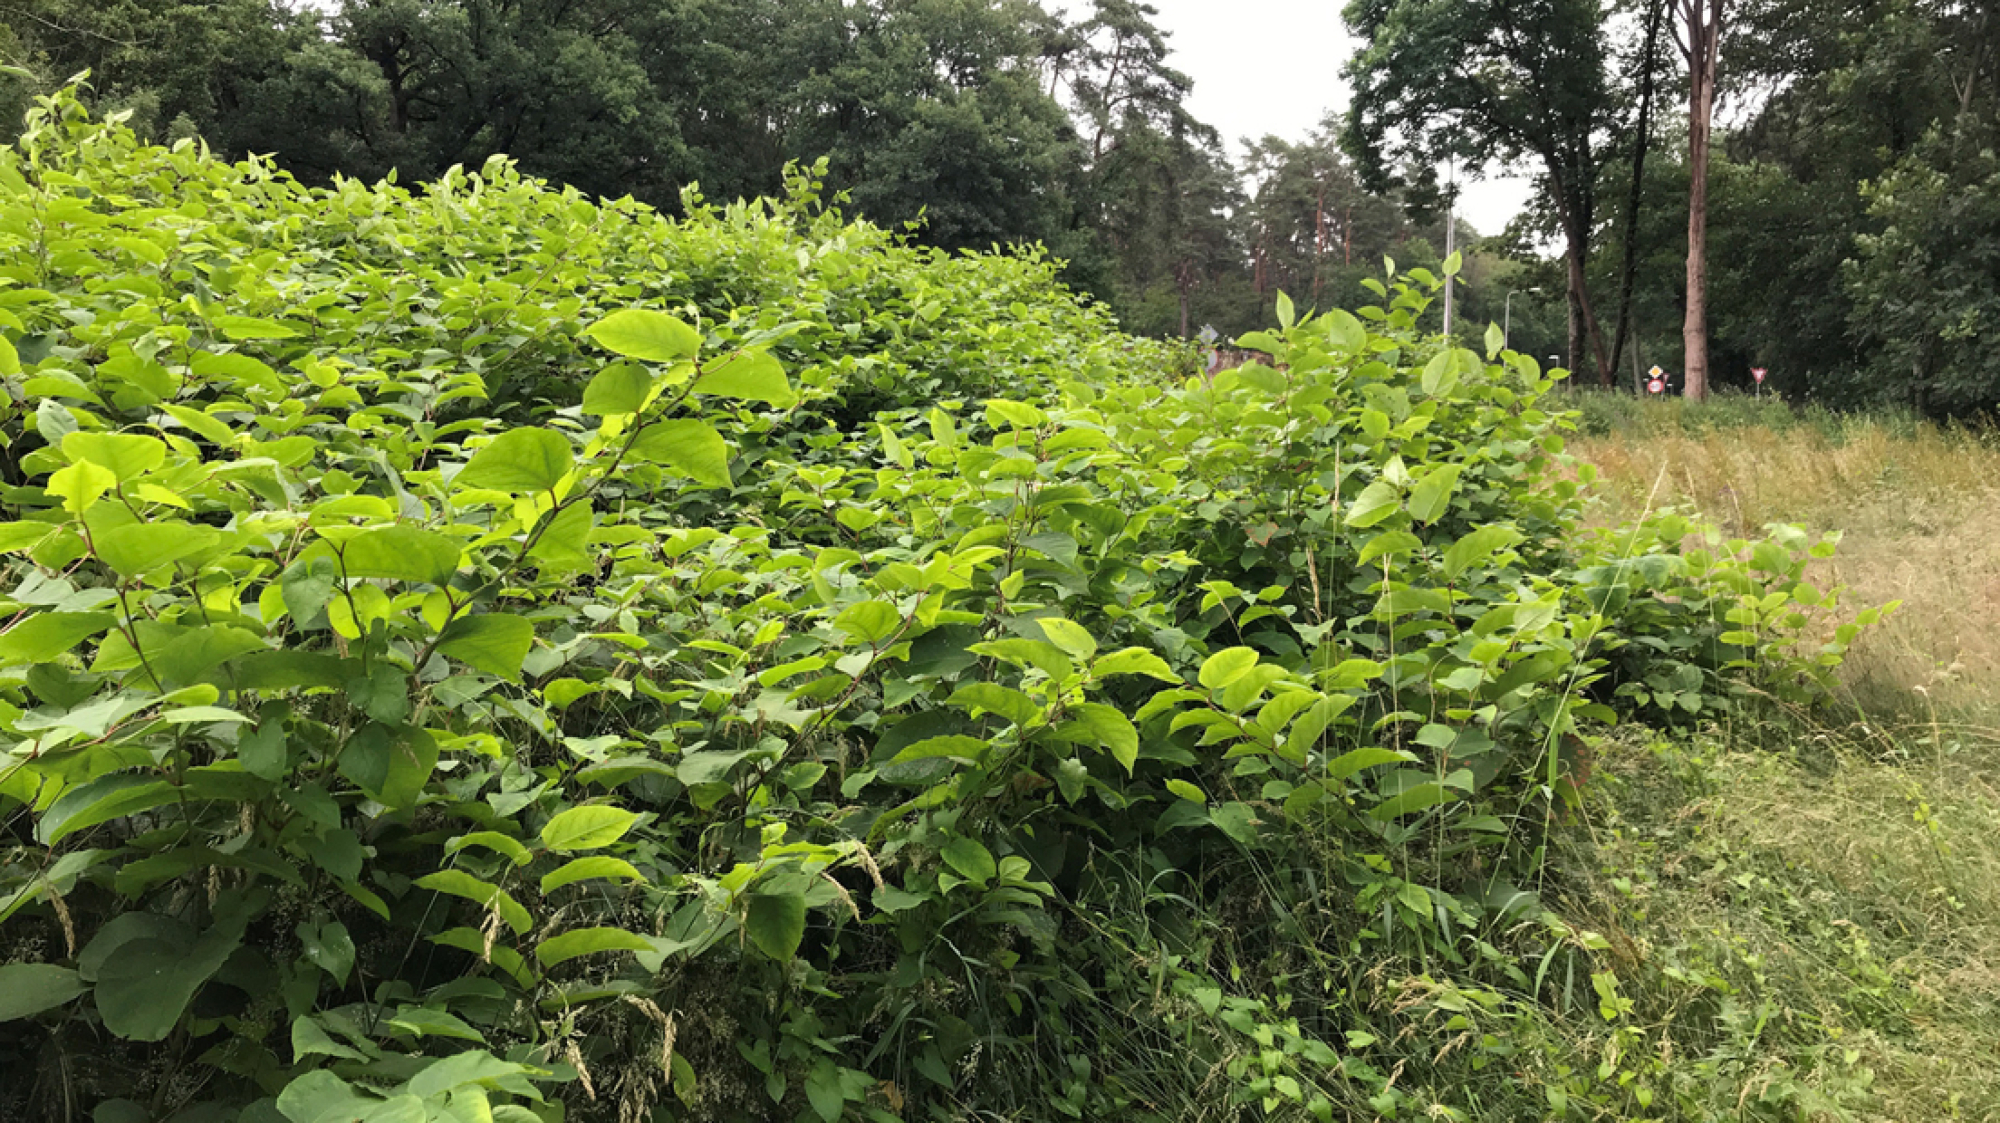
[1807,919]
[1819,927]
[1915,503]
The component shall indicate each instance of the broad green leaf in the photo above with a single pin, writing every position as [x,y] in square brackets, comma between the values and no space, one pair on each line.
[307,585]
[45,635]
[1005,701]
[1376,502]
[1310,725]
[494,642]
[750,375]
[322,1097]
[776,923]
[1069,635]
[505,845]
[1495,340]
[138,548]
[458,883]
[824,1093]
[970,858]
[1226,666]
[101,800]
[1187,791]
[27,989]
[125,455]
[143,989]
[641,333]
[520,461]
[564,546]
[1019,415]
[1246,688]
[595,867]
[587,828]
[692,448]
[1343,331]
[1045,657]
[412,756]
[1389,543]
[473,1067]
[955,746]
[429,1021]
[1347,764]
[80,485]
[870,621]
[1108,728]
[308,1039]
[329,947]
[1134,661]
[15,537]
[586,941]
[618,388]
[1418,798]
[1477,547]
[1440,375]
[401,553]
[1432,495]
[238,371]
[251,327]
[200,424]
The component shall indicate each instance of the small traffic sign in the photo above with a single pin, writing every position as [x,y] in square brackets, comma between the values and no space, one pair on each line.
[1758,374]
[1655,385]
[1656,372]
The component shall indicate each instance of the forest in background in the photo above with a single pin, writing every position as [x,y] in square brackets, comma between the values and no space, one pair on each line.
[1853,238]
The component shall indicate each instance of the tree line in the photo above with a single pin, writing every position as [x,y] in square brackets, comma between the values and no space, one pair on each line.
[1807,186]
[982,123]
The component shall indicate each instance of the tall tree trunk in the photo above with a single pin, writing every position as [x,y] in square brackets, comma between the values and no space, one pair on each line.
[1704,27]
[1184,281]
[1573,210]
[1586,337]
[1655,14]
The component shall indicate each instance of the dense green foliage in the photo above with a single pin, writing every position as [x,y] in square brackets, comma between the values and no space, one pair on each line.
[472,653]
[1853,218]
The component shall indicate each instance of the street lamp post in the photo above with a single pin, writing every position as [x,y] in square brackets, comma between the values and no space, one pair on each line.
[1507,314]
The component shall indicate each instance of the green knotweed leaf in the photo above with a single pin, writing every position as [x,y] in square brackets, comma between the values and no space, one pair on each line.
[520,461]
[640,333]
[776,923]
[692,448]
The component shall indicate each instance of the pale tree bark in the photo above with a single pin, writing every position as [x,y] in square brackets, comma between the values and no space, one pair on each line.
[1703,26]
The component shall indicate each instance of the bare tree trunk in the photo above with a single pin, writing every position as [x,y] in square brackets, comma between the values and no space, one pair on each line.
[1586,337]
[1184,280]
[1319,239]
[1583,327]
[1704,27]
[1655,14]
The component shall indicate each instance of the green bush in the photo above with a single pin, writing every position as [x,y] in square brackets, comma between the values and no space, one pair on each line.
[477,653]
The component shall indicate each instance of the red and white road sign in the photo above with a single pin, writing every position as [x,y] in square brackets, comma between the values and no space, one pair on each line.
[1758,374]
[1655,386]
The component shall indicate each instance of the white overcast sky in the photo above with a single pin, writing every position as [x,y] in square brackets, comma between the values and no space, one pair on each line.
[1273,66]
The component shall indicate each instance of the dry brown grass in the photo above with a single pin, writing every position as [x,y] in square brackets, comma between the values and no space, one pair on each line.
[1919,512]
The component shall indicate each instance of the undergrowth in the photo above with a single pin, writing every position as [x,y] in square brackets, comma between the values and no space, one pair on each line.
[472,653]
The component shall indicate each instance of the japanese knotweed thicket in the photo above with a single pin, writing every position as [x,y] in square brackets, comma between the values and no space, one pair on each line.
[475,653]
